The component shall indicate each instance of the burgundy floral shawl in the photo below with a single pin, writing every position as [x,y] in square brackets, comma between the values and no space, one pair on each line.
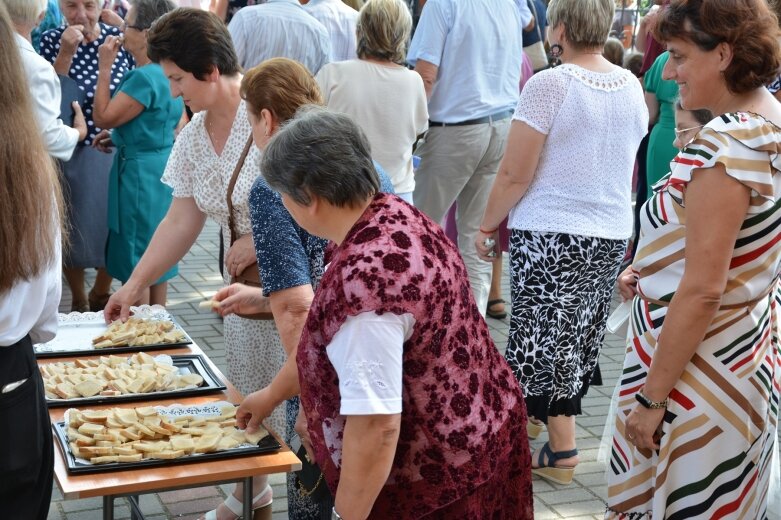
[462,406]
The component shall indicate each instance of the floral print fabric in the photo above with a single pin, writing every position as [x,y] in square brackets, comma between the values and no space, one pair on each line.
[462,447]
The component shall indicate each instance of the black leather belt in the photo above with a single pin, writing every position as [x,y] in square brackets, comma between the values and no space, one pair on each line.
[498,116]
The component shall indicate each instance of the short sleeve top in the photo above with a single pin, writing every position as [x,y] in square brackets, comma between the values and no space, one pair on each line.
[747,147]
[195,170]
[583,181]
[287,255]
[84,67]
[154,127]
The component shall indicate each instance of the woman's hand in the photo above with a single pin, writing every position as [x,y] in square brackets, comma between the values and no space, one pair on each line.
[627,284]
[103,142]
[118,306]
[241,299]
[482,243]
[109,17]
[303,433]
[107,53]
[240,255]
[70,40]
[644,427]
[79,123]
[254,408]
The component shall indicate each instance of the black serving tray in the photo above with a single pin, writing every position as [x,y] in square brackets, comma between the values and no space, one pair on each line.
[190,363]
[267,444]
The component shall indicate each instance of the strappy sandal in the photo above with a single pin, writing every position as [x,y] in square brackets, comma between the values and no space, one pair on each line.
[497,315]
[534,428]
[549,470]
[236,507]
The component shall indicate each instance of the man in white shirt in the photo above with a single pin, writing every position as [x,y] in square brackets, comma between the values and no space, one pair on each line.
[339,20]
[279,29]
[469,56]
[59,139]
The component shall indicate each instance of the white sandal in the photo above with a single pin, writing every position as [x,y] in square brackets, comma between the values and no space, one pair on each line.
[235,506]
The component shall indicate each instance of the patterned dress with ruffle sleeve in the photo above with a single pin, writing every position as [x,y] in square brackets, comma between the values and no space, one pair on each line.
[718,434]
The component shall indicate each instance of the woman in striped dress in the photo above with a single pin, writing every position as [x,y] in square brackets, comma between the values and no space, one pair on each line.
[698,402]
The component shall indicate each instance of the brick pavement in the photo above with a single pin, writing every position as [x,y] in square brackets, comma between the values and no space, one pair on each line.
[199,279]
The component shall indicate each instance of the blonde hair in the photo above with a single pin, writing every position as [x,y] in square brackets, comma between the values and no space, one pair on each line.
[25,11]
[30,196]
[586,22]
[383,30]
[281,86]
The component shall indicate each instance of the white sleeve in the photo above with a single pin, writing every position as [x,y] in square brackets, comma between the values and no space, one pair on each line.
[541,98]
[367,353]
[58,138]
[524,12]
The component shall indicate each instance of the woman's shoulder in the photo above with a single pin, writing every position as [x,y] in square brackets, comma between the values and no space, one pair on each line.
[738,130]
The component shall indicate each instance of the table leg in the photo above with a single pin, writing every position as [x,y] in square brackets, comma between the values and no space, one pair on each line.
[108,507]
[248,498]
[135,508]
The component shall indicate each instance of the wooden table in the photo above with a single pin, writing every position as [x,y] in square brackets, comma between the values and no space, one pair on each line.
[131,483]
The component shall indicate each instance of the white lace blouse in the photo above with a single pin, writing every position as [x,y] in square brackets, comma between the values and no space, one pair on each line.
[594,123]
[195,170]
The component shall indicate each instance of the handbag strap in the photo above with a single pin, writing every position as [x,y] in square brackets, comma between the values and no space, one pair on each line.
[232,185]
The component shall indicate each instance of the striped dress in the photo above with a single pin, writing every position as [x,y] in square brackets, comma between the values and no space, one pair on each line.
[720,426]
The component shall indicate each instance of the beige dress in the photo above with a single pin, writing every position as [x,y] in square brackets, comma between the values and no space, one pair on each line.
[253,349]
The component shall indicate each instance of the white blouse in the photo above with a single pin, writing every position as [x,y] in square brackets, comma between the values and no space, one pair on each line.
[594,123]
[195,170]
[366,353]
[30,307]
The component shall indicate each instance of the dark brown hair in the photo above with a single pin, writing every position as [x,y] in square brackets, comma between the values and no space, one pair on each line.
[281,86]
[748,26]
[196,41]
[31,207]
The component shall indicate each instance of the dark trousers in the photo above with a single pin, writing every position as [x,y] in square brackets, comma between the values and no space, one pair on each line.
[26,447]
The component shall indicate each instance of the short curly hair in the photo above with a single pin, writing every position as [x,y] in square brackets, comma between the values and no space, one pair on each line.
[749,27]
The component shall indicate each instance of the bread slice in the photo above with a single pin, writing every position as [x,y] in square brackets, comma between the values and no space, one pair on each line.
[208,443]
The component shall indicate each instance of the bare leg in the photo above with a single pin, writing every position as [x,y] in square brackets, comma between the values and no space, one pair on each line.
[75,278]
[495,292]
[144,299]
[561,437]
[158,294]
[102,282]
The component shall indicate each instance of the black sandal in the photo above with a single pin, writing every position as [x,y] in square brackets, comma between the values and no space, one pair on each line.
[549,470]
[497,315]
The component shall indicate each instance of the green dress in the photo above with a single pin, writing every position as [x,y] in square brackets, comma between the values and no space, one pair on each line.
[138,200]
[660,143]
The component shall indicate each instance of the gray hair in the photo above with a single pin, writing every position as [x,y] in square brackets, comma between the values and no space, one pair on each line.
[147,11]
[323,154]
[586,22]
[25,12]
[383,30]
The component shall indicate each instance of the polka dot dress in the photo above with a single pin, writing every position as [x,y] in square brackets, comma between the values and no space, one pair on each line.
[253,350]
[84,67]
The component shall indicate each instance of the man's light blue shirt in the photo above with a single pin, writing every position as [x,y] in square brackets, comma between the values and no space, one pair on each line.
[477,46]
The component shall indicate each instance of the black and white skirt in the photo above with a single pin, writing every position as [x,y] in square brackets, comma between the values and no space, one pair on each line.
[561,289]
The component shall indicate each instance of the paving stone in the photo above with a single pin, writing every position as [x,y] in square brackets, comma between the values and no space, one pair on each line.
[590,507]
[187,507]
[81,504]
[182,495]
[564,496]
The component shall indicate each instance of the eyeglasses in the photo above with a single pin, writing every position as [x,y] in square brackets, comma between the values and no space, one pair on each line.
[124,27]
[679,133]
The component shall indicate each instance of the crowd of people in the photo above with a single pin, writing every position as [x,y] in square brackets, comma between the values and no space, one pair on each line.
[332,143]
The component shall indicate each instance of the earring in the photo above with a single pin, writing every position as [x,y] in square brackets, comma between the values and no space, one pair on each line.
[556,51]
